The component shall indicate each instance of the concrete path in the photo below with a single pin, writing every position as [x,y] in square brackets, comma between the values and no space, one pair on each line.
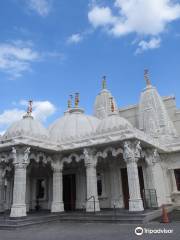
[92,231]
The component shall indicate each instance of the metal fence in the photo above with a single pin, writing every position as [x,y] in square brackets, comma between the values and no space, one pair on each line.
[150,198]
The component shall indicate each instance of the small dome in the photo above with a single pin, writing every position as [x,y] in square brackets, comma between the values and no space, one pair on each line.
[74,125]
[27,127]
[102,107]
[113,123]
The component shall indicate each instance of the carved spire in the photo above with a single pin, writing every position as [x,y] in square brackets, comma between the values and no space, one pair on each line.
[29,110]
[104,83]
[76,100]
[153,116]
[70,101]
[146,77]
[112,105]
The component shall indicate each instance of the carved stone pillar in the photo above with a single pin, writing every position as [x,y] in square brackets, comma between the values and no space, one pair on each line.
[1,190]
[131,155]
[20,161]
[116,186]
[91,180]
[155,175]
[57,203]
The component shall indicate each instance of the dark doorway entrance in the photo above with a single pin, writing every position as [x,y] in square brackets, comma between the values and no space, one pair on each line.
[69,192]
[141,181]
[125,187]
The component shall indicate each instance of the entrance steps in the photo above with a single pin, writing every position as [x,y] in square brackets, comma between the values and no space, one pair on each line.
[105,216]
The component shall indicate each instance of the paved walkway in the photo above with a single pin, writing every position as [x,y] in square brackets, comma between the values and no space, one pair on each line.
[97,231]
[90,231]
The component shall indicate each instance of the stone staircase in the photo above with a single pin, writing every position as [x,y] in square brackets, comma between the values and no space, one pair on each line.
[118,216]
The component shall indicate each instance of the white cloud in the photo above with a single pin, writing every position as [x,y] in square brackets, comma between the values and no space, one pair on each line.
[146,45]
[10,116]
[101,16]
[41,111]
[16,57]
[75,38]
[142,17]
[139,16]
[41,7]
[79,37]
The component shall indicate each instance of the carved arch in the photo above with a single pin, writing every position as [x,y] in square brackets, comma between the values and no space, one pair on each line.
[113,151]
[40,157]
[72,156]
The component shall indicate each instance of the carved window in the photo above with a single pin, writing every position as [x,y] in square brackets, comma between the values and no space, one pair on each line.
[177,176]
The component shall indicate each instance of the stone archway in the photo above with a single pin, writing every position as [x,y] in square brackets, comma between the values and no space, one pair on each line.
[109,166]
[39,186]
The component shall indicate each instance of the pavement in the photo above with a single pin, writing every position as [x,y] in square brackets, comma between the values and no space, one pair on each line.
[93,231]
[98,231]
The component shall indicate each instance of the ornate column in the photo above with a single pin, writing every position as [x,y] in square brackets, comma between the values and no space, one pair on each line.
[20,161]
[57,203]
[1,189]
[132,152]
[155,175]
[116,186]
[91,181]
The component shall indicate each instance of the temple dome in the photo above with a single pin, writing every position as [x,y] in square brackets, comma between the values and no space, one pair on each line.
[113,123]
[74,125]
[102,106]
[26,127]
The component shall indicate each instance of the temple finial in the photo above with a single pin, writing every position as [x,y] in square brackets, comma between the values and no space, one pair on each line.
[112,104]
[29,109]
[104,83]
[146,77]
[70,101]
[76,100]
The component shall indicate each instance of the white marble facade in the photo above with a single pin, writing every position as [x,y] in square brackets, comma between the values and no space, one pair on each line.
[117,158]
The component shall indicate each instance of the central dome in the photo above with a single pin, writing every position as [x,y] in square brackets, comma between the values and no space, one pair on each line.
[74,125]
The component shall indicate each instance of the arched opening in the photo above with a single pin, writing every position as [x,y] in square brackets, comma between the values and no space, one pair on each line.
[74,185]
[39,186]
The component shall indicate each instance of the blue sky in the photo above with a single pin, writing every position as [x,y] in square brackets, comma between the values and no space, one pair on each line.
[52,48]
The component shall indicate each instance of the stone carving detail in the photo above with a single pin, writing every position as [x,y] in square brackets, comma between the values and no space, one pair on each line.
[153,116]
[57,164]
[89,157]
[20,156]
[151,156]
[40,157]
[113,151]
[132,151]
[72,157]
